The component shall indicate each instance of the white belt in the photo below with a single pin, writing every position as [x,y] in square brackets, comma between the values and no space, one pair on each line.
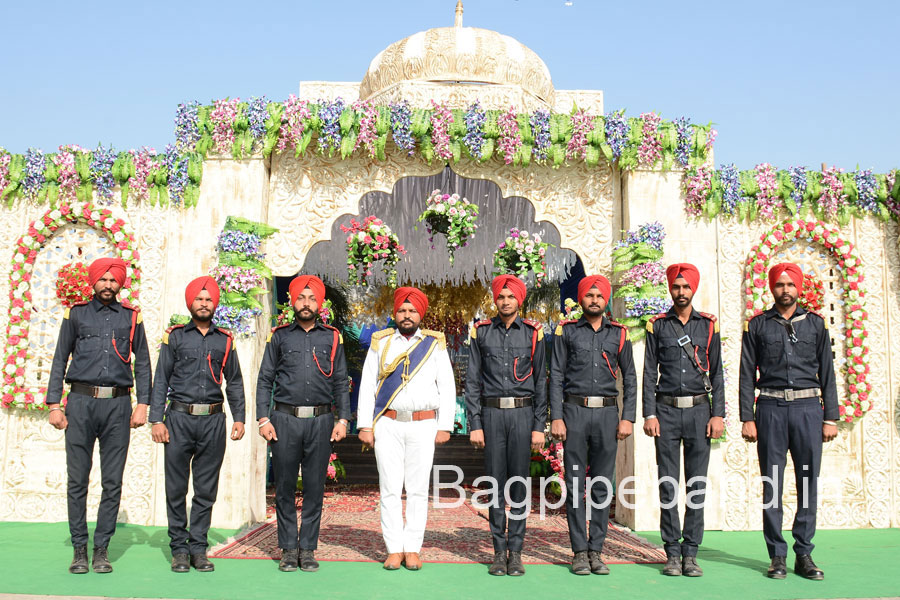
[791,395]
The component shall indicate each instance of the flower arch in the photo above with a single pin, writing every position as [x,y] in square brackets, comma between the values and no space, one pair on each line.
[858,401]
[13,391]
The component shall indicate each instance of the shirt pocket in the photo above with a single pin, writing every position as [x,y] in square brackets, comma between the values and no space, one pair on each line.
[669,350]
[187,357]
[772,350]
[610,356]
[121,335]
[323,360]
[88,339]
[292,355]
[805,349]
[580,354]
[215,358]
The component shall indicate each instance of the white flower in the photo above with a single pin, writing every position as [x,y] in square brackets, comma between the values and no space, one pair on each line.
[865,405]
[20,381]
[126,254]
[529,247]
[125,293]
[28,306]
[439,208]
[856,351]
[95,216]
[13,330]
[764,250]
[55,215]
[542,251]
[20,362]
[361,236]
[27,267]
[10,369]
[118,236]
[27,240]
[18,257]
[523,234]
[850,262]
[452,200]
[14,276]
[854,398]
[15,311]
[758,304]
[537,239]
[109,222]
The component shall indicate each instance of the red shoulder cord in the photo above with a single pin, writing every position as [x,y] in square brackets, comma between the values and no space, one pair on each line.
[224,362]
[516,361]
[130,339]
[334,345]
[621,345]
[708,342]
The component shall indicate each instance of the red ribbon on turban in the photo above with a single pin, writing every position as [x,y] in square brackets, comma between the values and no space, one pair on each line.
[414,296]
[690,273]
[793,272]
[513,283]
[598,281]
[301,282]
[115,266]
[202,283]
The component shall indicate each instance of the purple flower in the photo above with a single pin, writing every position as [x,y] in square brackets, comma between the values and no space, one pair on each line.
[540,129]
[798,179]
[102,160]
[401,124]
[257,115]
[238,241]
[177,167]
[474,139]
[866,186]
[616,126]
[330,114]
[683,149]
[187,131]
[35,163]
[731,188]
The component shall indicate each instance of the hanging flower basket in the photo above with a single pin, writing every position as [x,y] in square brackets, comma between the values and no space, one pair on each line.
[367,243]
[520,253]
[452,216]
[73,285]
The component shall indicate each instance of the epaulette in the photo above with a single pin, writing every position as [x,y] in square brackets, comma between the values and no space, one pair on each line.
[130,306]
[653,320]
[438,335]
[67,311]
[559,325]
[165,339]
[333,328]
[274,329]
[378,335]
[747,322]
[712,318]
[824,320]
[226,331]
[535,325]
[473,330]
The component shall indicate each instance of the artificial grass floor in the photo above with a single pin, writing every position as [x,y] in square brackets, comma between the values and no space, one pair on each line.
[857,564]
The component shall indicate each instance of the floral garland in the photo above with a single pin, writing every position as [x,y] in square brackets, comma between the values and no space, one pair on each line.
[510,139]
[813,296]
[368,134]
[520,253]
[582,126]
[650,150]
[643,279]
[830,195]
[855,316]
[368,242]
[451,215]
[13,391]
[73,285]
[441,119]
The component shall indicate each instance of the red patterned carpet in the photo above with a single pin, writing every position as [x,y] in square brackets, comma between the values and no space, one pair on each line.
[351,531]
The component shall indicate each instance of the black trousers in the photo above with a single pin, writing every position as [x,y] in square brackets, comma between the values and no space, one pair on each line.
[507,454]
[92,419]
[677,426]
[589,451]
[301,443]
[196,446]
[796,427]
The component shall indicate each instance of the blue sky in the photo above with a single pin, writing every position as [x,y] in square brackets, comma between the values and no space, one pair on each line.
[786,82]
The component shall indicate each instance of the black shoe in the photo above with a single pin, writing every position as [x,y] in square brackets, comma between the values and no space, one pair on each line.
[79,564]
[308,562]
[690,568]
[181,563]
[580,564]
[673,566]
[100,561]
[288,560]
[514,564]
[777,570]
[498,567]
[805,567]
[598,567]
[201,563]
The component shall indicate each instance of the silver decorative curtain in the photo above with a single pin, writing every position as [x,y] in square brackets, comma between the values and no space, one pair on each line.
[400,211]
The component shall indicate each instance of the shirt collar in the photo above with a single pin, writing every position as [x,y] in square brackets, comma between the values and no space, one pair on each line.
[95,302]
[498,322]
[415,336]
[773,312]
[191,325]
[671,313]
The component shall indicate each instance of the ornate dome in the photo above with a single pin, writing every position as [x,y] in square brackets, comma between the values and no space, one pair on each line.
[459,54]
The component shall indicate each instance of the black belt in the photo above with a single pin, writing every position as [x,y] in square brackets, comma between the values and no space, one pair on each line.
[193,408]
[303,412]
[682,401]
[99,391]
[506,402]
[592,401]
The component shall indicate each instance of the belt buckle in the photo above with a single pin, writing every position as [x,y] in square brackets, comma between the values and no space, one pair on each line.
[790,395]
[507,402]
[200,409]
[404,416]
[684,340]
[103,391]
[684,401]
[302,412]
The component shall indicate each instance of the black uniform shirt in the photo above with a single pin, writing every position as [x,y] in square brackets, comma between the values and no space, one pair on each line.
[585,362]
[669,371]
[297,365]
[785,364]
[95,335]
[189,369]
[501,365]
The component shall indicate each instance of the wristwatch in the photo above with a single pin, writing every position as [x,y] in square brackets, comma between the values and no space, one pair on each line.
[344,422]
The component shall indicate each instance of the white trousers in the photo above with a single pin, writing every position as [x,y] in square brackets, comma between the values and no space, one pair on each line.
[404,453]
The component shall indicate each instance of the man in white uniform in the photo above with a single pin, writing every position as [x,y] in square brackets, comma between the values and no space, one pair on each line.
[407,403]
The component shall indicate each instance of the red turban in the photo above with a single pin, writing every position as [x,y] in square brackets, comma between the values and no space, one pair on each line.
[598,281]
[686,270]
[515,285]
[301,282]
[99,268]
[793,272]
[201,283]
[412,295]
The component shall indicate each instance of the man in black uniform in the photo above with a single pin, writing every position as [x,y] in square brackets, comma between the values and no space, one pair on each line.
[791,348]
[193,360]
[584,413]
[100,336]
[506,401]
[304,365]
[682,367]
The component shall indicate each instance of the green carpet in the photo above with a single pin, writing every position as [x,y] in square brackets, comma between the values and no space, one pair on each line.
[857,564]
